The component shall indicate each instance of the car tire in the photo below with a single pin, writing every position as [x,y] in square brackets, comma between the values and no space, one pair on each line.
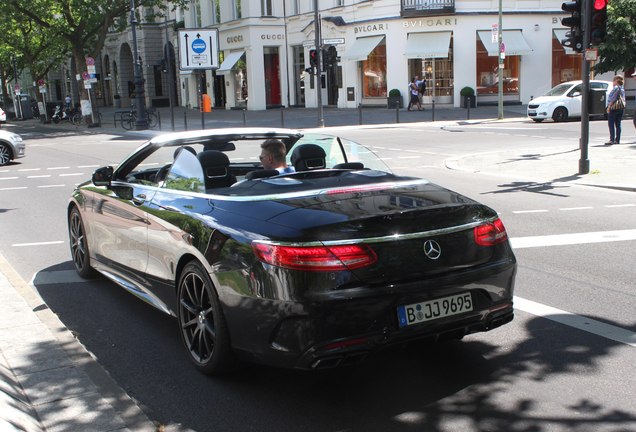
[79,246]
[202,325]
[5,154]
[537,120]
[560,114]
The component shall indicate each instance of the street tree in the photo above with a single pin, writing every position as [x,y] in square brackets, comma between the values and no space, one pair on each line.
[84,24]
[617,52]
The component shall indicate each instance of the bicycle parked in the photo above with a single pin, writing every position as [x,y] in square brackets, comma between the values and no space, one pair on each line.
[129,119]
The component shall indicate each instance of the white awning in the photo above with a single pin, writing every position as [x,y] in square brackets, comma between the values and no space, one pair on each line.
[360,49]
[427,45]
[230,61]
[559,34]
[513,41]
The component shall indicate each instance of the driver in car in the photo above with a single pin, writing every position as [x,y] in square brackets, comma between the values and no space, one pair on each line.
[273,156]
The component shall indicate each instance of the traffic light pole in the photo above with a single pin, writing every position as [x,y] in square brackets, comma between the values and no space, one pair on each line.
[321,119]
[584,161]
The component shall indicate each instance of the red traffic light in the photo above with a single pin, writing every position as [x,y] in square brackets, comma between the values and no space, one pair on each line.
[600,4]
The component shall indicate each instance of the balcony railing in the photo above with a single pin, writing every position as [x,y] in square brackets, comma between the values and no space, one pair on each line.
[415,8]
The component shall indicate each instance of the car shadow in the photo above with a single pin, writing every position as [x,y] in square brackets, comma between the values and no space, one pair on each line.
[490,381]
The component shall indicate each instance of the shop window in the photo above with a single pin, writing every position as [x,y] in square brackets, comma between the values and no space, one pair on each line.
[239,73]
[374,73]
[565,67]
[237,9]
[196,13]
[438,73]
[488,73]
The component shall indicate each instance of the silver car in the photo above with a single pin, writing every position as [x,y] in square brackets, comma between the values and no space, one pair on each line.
[11,147]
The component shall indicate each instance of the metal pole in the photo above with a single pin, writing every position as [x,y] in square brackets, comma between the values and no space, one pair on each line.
[185,119]
[584,161]
[286,54]
[397,113]
[282,117]
[168,60]
[321,119]
[500,63]
[201,99]
[141,119]
[19,97]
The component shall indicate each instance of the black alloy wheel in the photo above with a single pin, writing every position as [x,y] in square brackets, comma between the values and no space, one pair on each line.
[5,154]
[560,114]
[202,325]
[79,246]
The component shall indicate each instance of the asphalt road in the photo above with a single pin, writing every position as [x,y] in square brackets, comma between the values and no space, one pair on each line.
[554,369]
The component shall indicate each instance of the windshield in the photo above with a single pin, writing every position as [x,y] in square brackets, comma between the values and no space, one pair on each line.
[559,90]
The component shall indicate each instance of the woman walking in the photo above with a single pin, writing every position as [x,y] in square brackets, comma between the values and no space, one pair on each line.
[615,109]
[415,98]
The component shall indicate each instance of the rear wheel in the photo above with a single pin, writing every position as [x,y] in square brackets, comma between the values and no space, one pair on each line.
[201,322]
[127,121]
[560,114]
[79,245]
[5,154]
[152,120]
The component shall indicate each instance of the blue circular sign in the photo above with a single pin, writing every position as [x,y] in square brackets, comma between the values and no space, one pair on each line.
[198,46]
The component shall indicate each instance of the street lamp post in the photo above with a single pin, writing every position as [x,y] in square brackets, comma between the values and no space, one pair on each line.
[141,122]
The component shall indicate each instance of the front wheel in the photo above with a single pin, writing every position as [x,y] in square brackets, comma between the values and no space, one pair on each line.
[560,114]
[79,245]
[201,322]
[5,154]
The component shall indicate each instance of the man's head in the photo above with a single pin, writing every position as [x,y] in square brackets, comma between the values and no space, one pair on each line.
[273,153]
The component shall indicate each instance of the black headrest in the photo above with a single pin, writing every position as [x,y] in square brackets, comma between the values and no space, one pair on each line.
[307,157]
[188,148]
[349,165]
[214,163]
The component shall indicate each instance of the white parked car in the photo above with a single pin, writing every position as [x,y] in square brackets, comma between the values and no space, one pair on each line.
[563,101]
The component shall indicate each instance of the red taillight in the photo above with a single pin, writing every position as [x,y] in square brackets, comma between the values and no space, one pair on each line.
[316,258]
[490,234]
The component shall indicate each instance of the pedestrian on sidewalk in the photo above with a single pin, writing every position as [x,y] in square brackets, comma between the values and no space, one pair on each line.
[414,90]
[615,109]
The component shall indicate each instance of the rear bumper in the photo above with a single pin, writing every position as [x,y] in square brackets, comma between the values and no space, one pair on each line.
[340,329]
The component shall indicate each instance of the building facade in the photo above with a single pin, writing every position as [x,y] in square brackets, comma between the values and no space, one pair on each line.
[368,48]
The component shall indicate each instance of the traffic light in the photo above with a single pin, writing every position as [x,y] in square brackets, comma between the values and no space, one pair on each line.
[598,30]
[313,58]
[574,37]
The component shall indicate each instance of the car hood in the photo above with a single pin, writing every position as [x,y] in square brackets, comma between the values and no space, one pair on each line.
[545,100]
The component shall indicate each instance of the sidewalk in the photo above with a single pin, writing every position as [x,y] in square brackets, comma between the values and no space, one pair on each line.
[49,382]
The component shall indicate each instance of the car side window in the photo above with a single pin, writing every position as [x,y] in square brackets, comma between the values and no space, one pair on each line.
[576,89]
[186,174]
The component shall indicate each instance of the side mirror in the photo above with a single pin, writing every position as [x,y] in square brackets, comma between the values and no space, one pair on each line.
[575,94]
[103,176]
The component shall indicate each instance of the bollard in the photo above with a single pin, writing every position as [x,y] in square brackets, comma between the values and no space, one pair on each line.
[202,119]
[433,110]
[159,119]
[185,120]
[468,109]
[244,122]
[359,113]
[282,118]
[397,113]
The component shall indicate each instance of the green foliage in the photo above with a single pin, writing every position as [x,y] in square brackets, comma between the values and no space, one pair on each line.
[467,91]
[617,53]
[394,93]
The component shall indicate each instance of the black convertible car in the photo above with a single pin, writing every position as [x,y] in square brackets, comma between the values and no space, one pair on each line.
[311,269]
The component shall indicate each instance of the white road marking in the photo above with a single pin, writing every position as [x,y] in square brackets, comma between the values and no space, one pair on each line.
[619,205]
[13,188]
[37,244]
[8,178]
[58,168]
[530,211]
[409,157]
[88,166]
[51,186]
[39,176]
[29,169]
[576,208]
[582,323]
[72,174]
[572,239]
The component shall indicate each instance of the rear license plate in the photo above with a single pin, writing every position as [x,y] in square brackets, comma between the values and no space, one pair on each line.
[433,309]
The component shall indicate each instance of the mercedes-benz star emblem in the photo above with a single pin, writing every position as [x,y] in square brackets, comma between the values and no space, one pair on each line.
[432,249]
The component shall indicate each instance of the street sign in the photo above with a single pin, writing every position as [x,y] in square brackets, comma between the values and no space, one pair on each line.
[42,89]
[198,49]
[90,61]
[16,89]
[333,41]
[494,36]
[86,76]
